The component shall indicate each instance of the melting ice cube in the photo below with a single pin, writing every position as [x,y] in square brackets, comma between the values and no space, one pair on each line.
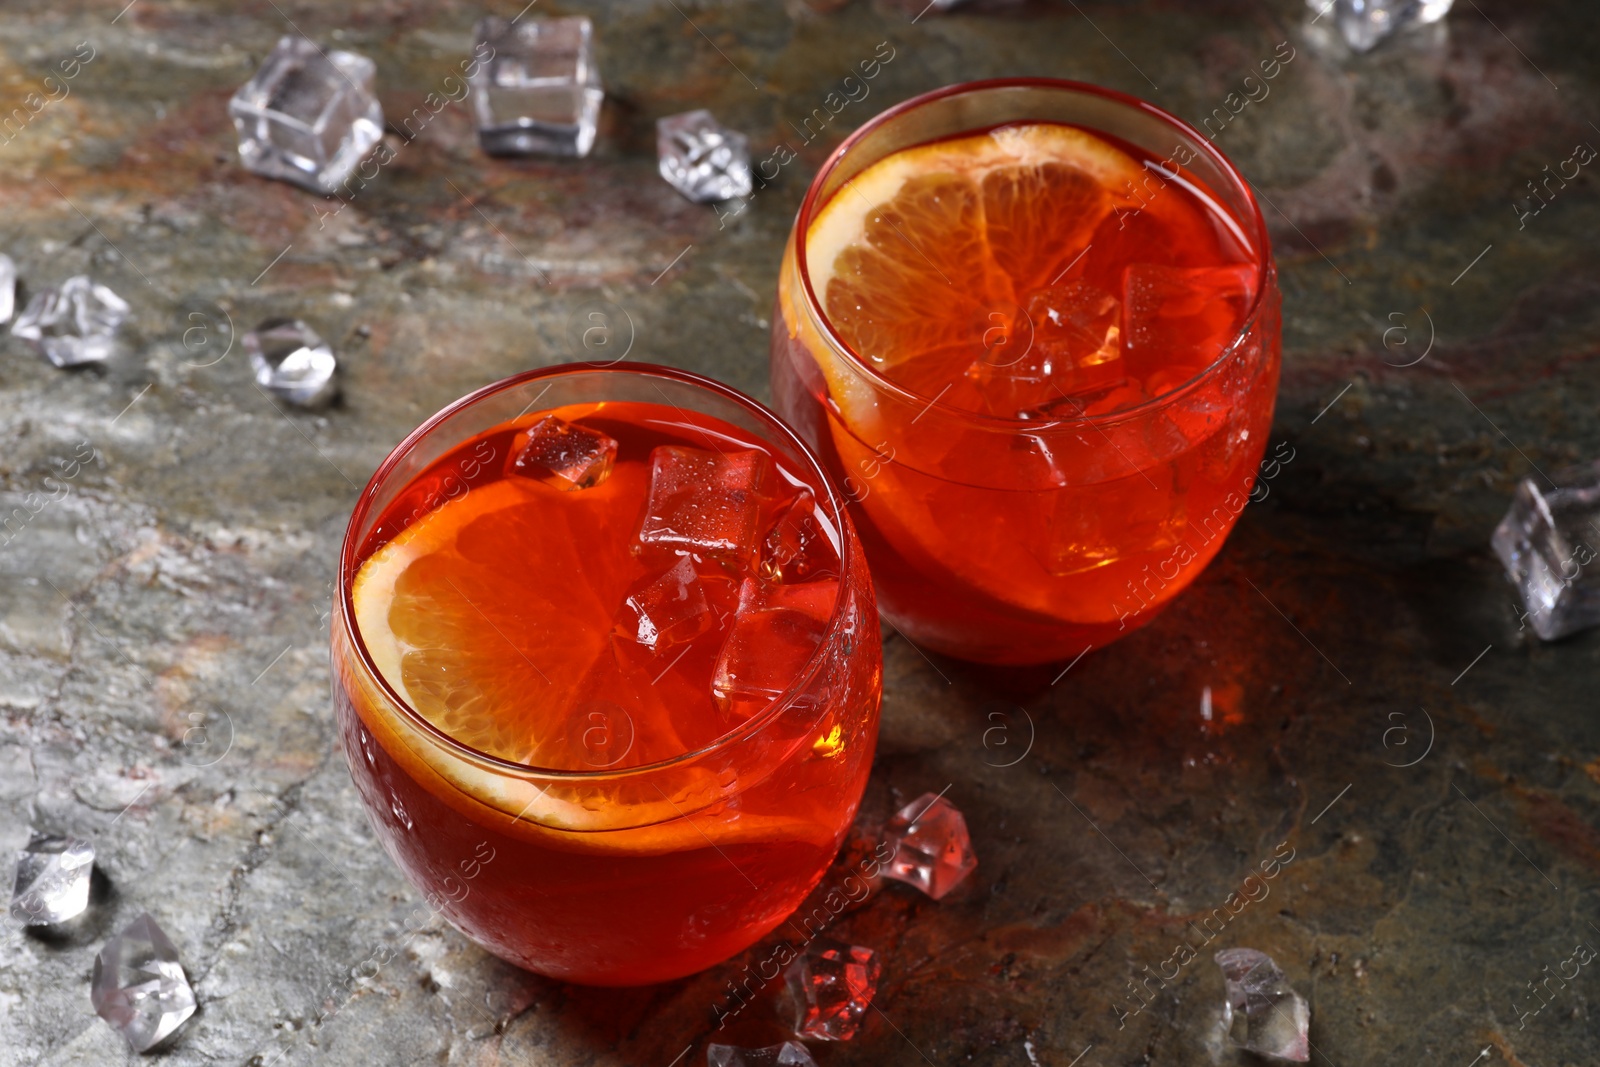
[788,1054]
[932,849]
[797,548]
[536,90]
[703,160]
[668,610]
[8,287]
[291,361]
[1365,23]
[1263,1014]
[1064,344]
[1077,332]
[1178,320]
[773,634]
[1549,543]
[74,324]
[562,454]
[308,116]
[1080,528]
[830,986]
[53,873]
[705,502]
[139,987]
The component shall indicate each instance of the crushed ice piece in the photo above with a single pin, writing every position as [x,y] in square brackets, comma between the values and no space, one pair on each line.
[705,502]
[797,548]
[788,1054]
[536,89]
[139,987]
[291,361]
[830,986]
[308,116]
[8,287]
[1547,542]
[669,610]
[932,849]
[562,454]
[774,632]
[1365,23]
[1263,1014]
[74,324]
[53,873]
[704,161]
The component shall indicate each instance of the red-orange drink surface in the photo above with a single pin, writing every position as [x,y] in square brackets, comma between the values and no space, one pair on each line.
[1040,356]
[615,695]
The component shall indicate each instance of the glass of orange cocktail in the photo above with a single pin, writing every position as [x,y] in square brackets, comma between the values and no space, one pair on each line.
[607,669]
[1033,327]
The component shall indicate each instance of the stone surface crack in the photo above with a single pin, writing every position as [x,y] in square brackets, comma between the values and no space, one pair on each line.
[224,923]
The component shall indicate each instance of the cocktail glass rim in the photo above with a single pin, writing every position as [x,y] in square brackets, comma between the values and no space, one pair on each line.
[348,568]
[810,204]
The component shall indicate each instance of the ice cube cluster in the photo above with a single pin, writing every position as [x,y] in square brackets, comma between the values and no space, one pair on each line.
[734,555]
[1073,349]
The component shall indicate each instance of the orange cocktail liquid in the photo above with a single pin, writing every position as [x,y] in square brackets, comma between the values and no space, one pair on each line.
[609,632]
[1041,362]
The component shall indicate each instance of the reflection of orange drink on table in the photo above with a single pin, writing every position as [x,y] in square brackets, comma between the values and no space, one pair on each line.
[1032,327]
[607,669]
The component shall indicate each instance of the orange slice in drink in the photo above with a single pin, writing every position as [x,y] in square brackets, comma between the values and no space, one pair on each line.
[515,660]
[468,638]
[930,249]
[915,260]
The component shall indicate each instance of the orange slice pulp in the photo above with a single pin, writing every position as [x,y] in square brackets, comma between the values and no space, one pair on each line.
[922,257]
[504,655]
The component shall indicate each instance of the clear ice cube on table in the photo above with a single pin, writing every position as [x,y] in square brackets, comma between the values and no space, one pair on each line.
[74,324]
[1178,320]
[788,1054]
[8,287]
[932,849]
[669,610]
[829,986]
[562,454]
[774,632]
[1549,543]
[708,503]
[1262,1013]
[796,548]
[308,116]
[53,873]
[1365,23]
[536,90]
[704,161]
[138,985]
[291,361]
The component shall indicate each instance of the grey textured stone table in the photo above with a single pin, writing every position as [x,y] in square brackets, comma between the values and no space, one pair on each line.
[163,614]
